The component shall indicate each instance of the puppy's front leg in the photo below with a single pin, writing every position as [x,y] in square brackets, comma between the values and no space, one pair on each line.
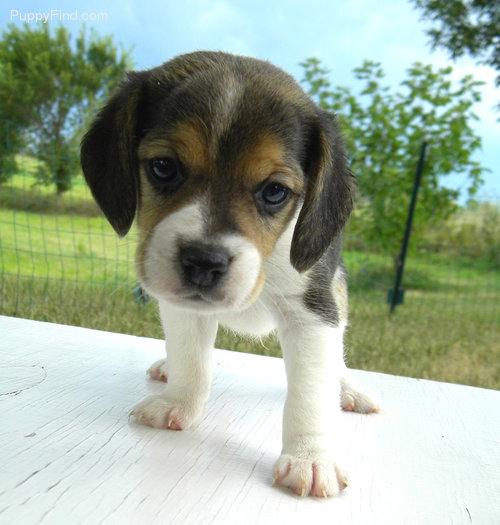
[190,339]
[313,357]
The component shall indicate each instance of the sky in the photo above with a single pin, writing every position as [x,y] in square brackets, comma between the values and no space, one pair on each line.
[341,33]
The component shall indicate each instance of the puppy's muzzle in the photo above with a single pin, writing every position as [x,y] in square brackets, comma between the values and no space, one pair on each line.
[203,267]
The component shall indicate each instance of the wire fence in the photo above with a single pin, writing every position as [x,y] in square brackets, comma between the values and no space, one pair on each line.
[60,261]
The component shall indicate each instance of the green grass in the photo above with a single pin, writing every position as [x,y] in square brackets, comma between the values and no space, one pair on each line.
[61,262]
[429,337]
[64,247]
[23,192]
[25,179]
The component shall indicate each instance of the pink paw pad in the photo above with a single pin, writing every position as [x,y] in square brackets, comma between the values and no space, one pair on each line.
[304,477]
[157,371]
[158,375]
[174,424]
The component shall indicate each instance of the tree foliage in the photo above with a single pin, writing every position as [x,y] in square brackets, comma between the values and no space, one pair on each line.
[48,87]
[384,129]
[465,27]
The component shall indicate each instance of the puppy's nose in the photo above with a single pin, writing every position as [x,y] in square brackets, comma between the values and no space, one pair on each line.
[204,266]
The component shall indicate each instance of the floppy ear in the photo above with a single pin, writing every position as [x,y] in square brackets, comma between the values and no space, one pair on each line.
[109,154]
[330,189]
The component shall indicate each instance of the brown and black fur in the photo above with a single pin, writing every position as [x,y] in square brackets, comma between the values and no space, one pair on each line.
[180,106]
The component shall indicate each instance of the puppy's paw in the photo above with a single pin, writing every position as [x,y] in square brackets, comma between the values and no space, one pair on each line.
[158,370]
[313,476]
[162,412]
[353,399]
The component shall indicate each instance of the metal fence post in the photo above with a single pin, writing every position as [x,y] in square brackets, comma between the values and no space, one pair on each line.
[396,294]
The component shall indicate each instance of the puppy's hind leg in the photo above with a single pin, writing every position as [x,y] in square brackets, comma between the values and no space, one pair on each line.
[158,370]
[353,399]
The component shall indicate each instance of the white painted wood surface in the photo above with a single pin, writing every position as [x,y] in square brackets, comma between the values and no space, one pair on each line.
[70,455]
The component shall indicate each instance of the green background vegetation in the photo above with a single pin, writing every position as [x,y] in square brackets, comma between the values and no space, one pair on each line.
[60,261]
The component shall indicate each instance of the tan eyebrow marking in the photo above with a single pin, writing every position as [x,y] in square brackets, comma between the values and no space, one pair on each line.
[186,141]
[265,159]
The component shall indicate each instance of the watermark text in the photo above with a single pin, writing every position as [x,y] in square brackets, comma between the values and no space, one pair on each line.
[57,15]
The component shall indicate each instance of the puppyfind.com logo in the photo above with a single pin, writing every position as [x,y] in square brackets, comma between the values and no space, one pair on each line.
[57,15]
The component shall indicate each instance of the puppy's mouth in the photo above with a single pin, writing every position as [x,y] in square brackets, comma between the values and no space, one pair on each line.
[216,300]
[198,297]
[213,300]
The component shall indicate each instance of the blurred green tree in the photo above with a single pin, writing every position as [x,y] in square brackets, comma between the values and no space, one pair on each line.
[49,86]
[465,27]
[384,129]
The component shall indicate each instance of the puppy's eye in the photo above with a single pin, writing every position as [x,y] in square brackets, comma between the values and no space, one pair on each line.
[274,194]
[166,171]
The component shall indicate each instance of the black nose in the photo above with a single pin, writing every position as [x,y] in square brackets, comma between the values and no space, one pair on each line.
[204,266]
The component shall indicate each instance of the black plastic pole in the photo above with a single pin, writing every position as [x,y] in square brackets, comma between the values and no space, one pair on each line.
[397,291]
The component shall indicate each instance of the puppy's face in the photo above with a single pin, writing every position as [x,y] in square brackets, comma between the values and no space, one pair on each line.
[208,218]
[215,155]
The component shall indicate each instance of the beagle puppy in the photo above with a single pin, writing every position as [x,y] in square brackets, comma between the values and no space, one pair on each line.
[240,189]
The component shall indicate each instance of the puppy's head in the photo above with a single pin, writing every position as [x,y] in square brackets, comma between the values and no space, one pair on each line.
[214,155]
